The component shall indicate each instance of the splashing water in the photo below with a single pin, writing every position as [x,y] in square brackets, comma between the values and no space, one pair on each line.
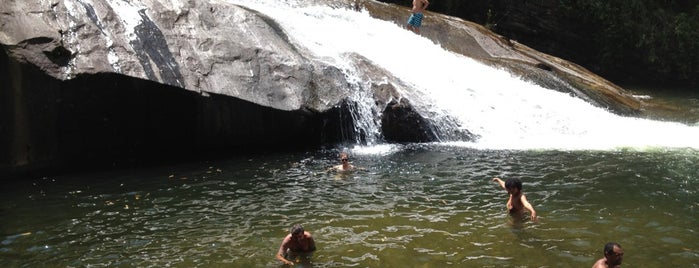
[505,111]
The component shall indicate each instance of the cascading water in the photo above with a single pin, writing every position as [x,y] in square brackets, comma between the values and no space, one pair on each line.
[504,111]
[363,111]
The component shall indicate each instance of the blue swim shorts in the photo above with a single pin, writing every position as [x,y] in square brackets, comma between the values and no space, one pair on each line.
[415,20]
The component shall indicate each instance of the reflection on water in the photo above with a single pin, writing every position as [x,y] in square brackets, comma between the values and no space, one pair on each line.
[413,206]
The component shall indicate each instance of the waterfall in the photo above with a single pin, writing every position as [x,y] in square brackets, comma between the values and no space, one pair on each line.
[503,110]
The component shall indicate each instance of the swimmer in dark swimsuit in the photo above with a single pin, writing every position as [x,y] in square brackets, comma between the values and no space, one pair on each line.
[517,202]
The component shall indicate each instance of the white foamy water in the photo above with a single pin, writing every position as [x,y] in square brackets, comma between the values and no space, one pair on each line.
[506,112]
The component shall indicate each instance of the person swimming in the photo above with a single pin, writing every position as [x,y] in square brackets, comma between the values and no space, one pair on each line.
[297,244]
[345,164]
[517,202]
[613,256]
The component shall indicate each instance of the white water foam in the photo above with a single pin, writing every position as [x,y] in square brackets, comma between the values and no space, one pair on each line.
[505,111]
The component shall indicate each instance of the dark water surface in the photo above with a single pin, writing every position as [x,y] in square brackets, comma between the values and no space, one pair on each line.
[413,206]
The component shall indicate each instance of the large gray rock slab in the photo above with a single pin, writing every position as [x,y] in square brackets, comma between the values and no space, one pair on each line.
[202,46]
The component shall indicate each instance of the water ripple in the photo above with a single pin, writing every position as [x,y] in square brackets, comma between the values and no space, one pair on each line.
[412,207]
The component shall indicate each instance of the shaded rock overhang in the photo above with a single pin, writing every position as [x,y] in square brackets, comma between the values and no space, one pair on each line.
[106,119]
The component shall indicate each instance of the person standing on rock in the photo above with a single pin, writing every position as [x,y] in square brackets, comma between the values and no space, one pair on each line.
[415,20]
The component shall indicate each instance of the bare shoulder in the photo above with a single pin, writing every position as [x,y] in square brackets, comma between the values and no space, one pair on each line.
[287,240]
[601,263]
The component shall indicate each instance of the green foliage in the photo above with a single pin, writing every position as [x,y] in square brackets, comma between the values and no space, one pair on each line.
[490,22]
[642,37]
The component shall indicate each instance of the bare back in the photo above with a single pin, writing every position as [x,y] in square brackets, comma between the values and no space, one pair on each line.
[420,5]
[514,204]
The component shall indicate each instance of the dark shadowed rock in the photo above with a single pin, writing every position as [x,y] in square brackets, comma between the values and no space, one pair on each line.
[109,119]
[401,123]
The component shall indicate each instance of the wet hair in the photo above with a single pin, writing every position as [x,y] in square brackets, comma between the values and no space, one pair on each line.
[296,229]
[513,183]
[609,247]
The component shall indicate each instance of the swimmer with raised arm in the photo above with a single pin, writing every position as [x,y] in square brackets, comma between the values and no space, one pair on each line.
[517,203]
